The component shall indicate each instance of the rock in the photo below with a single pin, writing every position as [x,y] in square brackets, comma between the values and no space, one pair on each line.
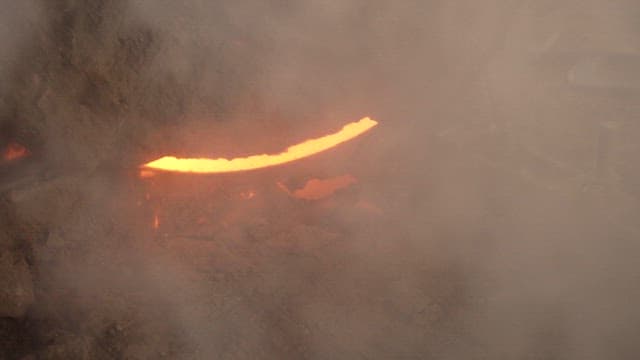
[6,241]
[16,285]
[68,347]
[15,340]
[58,194]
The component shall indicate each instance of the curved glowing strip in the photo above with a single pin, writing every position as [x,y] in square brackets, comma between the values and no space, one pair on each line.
[295,152]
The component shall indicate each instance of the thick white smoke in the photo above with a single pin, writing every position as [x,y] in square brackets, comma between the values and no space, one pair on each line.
[505,182]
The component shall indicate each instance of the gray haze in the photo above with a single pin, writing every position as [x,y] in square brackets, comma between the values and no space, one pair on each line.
[502,178]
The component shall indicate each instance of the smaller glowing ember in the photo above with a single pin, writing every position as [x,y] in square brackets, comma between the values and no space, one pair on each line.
[316,189]
[146,174]
[156,222]
[14,151]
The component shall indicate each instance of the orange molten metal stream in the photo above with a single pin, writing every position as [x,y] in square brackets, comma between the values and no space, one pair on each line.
[295,152]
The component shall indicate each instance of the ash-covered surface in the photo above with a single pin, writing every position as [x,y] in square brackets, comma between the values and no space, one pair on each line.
[494,214]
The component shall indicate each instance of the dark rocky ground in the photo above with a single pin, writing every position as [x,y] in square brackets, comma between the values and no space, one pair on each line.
[504,189]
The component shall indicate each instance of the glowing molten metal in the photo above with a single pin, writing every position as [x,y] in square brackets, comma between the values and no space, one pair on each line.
[14,151]
[316,189]
[295,152]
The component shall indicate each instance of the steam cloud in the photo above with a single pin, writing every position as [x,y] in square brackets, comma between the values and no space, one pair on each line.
[508,193]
